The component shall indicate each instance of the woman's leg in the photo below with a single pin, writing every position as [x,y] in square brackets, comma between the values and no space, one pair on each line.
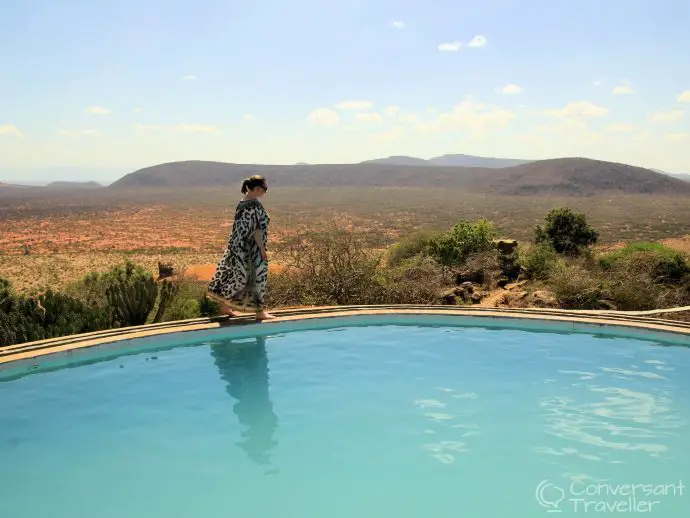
[260,283]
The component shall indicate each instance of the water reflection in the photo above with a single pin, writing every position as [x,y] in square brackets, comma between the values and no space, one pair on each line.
[244,367]
[611,418]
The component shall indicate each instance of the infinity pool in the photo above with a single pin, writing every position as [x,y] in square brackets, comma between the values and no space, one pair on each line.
[428,419]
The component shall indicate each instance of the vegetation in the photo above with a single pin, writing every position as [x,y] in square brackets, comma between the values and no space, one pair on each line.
[337,265]
[566,232]
[464,240]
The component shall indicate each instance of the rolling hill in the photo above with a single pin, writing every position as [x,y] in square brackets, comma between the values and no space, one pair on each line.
[564,176]
[74,185]
[452,160]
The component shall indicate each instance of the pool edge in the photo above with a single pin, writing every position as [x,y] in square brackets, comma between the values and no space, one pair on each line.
[578,319]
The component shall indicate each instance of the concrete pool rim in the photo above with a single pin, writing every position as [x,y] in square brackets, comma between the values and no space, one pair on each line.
[33,355]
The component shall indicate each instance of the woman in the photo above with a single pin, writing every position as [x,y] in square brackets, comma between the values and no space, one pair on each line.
[241,275]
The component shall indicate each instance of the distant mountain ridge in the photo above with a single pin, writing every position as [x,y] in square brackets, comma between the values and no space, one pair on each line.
[451,160]
[563,176]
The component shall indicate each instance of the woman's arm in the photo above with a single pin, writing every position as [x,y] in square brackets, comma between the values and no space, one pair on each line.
[260,243]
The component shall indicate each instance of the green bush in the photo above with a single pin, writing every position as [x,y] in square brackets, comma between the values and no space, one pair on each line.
[662,264]
[50,315]
[538,261]
[566,232]
[411,246]
[464,240]
[190,301]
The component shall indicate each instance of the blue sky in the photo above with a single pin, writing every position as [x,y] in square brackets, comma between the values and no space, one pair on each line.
[102,88]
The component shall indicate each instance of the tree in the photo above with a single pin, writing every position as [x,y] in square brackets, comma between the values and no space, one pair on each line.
[464,240]
[566,232]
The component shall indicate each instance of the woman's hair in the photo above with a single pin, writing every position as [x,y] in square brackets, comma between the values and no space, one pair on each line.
[253,182]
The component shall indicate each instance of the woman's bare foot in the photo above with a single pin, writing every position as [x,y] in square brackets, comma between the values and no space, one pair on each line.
[224,308]
[227,310]
[262,315]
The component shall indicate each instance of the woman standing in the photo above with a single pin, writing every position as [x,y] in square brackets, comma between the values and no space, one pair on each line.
[242,272]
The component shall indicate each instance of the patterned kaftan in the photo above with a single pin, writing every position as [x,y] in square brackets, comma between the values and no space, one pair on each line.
[241,274]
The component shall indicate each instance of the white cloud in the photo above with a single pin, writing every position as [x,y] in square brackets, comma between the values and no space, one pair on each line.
[621,128]
[597,83]
[354,105]
[450,47]
[580,110]
[622,90]
[324,117]
[78,133]
[431,111]
[10,130]
[388,135]
[668,116]
[179,128]
[477,42]
[398,24]
[678,136]
[248,117]
[392,109]
[98,110]
[369,117]
[684,97]
[137,110]
[472,117]
[194,128]
[510,89]
[408,117]
[189,77]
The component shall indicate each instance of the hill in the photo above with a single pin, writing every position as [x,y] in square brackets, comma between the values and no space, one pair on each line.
[681,176]
[582,176]
[566,176]
[452,160]
[74,185]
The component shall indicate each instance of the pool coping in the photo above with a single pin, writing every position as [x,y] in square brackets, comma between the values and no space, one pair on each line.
[640,321]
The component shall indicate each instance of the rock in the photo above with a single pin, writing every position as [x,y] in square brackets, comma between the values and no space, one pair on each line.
[469,277]
[506,246]
[449,297]
[467,286]
[477,296]
[515,285]
[543,299]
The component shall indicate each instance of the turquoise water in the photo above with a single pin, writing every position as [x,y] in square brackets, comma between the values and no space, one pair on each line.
[378,421]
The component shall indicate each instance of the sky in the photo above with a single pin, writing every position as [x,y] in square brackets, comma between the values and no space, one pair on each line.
[94,90]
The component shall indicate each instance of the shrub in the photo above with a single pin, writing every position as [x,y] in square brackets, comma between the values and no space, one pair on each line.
[334,267]
[538,261]
[331,266]
[50,315]
[463,240]
[189,301]
[417,280]
[660,263]
[411,246]
[480,268]
[575,286]
[566,231]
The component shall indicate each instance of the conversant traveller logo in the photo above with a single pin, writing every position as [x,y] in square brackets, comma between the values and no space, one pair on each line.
[598,497]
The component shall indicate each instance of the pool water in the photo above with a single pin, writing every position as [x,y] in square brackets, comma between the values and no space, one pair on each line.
[371,421]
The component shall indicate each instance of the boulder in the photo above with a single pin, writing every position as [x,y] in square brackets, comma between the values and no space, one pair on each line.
[543,299]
